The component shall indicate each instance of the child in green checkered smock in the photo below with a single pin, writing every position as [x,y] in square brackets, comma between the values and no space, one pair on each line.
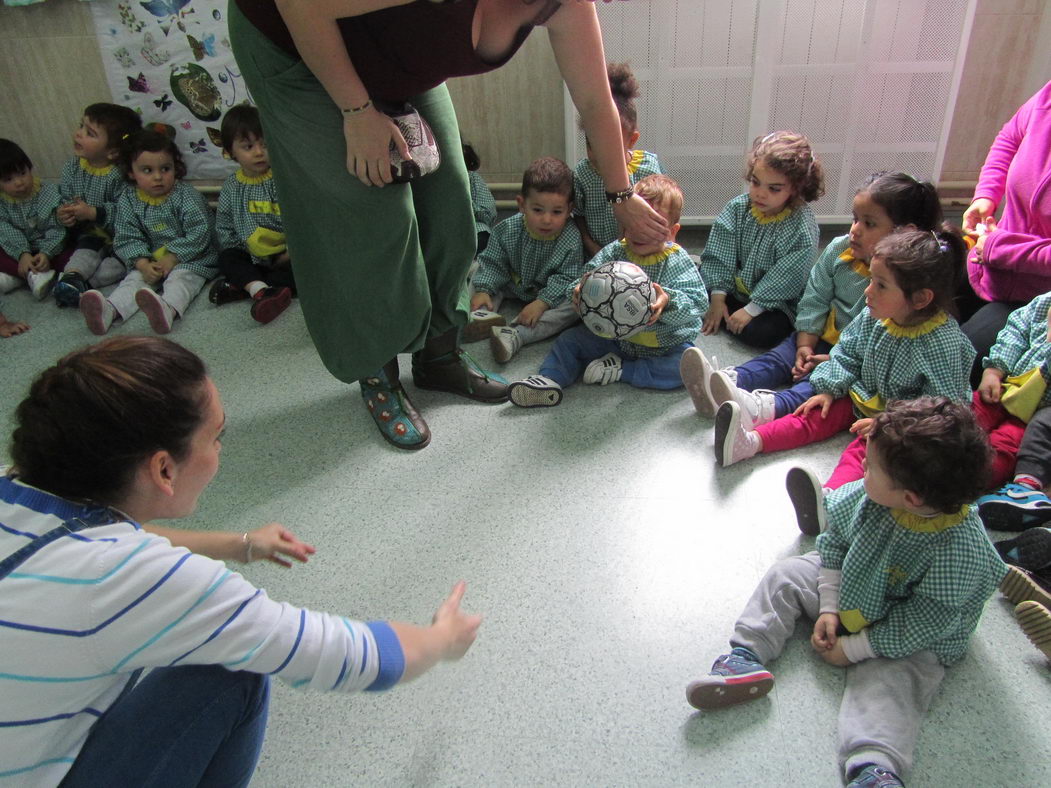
[896,586]
[482,202]
[902,346]
[1013,391]
[533,257]
[591,210]
[650,358]
[834,295]
[164,236]
[90,184]
[762,245]
[253,253]
[33,245]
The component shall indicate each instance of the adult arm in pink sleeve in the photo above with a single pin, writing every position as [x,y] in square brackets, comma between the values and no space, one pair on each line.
[993,178]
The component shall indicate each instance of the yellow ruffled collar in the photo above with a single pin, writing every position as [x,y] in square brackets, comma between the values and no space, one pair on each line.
[635,160]
[860,266]
[649,259]
[761,218]
[32,194]
[150,200]
[253,180]
[929,524]
[92,170]
[918,330]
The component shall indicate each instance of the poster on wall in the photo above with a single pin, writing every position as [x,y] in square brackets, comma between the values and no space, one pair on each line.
[171,61]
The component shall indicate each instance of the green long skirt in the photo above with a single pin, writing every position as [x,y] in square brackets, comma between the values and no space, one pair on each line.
[378,270]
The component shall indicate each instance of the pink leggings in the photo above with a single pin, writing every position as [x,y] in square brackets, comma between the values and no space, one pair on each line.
[1005,435]
[792,431]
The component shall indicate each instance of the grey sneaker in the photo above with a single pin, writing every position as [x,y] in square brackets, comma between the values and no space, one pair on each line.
[604,370]
[479,323]
[873,776]
[696,371]
[504,342]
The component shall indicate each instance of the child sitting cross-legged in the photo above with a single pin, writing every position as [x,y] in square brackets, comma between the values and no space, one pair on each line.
[254,256]
[896,588]
[649,359]
[534,256]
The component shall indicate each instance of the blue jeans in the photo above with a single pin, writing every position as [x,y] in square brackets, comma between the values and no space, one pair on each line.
[183,726]
[774,368]
[576,347]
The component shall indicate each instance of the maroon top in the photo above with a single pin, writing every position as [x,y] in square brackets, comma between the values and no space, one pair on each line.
[404,50]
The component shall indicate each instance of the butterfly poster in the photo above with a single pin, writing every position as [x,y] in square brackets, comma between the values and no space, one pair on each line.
[170,60]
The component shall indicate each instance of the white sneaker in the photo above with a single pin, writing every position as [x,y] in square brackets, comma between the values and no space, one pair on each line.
[98,312]
[696,371]
[808,499]
[8,282]
[536,391]
[479,323]
[604,370]
[160,313]
[504,342]
[757,407]
[733,442]
[40,283]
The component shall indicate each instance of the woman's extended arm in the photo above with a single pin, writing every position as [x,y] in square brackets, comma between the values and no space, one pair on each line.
[271,542]
[312,24]
[576,41]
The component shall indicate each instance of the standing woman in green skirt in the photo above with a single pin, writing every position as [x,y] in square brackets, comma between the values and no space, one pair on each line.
[381,267]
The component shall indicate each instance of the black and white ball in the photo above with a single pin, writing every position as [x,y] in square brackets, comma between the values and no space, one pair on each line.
[615,300]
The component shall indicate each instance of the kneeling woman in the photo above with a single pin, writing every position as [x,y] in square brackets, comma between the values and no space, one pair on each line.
[110,438]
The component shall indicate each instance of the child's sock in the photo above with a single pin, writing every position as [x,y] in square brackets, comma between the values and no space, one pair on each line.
[1029,481]
[255,288]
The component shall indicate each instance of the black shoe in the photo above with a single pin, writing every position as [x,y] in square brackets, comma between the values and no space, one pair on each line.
[222,292]
[68,289]
[458,373]
[808,499]
[1030,549]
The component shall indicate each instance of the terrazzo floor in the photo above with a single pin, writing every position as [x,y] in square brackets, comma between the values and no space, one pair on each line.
[607,552]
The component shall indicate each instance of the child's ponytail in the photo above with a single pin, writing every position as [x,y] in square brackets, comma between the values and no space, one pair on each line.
[905,199]
[625,89]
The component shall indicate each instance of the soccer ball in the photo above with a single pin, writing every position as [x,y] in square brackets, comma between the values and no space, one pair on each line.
[615,300]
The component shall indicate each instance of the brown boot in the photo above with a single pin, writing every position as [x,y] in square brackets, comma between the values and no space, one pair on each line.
[443,366]
[399,422]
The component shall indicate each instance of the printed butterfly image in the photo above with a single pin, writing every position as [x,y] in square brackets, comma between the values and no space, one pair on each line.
[199,147]
[154,56]
[170,10]
[123,57]
[206,46]
[214,136]
[163,102]
[138,84]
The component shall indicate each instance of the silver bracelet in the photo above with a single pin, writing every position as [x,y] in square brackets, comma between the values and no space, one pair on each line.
[248,547]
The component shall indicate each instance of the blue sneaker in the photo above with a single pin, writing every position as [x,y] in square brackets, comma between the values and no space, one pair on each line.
[1014,507]
[735,678]
[873,776]
[69,288]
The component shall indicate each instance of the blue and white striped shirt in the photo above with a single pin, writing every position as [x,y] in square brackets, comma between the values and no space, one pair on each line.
[87,598]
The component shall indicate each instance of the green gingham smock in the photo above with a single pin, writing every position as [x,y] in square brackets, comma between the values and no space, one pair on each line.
[877,360]
[97,186]
[589,194]
[248,217]
[761,260]
[674,270]
[1022,346]
[518,264]
[30,225]
[834,293]
[482,203]
[179,222]
[915,583]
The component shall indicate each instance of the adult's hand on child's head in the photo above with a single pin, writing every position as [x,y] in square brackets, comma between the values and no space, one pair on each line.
[481,301]
[368,136]
[738,320]
[658,306]
[823,401]
[989,388]
[273,541]
[640,222]
[531,313]
[979,212]
[717,313]
[824,635]
[458,628]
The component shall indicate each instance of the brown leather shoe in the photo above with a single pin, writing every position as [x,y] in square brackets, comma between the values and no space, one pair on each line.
[443,366]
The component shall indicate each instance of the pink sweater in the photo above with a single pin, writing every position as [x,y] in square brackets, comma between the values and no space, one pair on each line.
[1017,263]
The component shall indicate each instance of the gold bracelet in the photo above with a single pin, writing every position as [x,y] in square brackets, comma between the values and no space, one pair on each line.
[248,547]
[356,110]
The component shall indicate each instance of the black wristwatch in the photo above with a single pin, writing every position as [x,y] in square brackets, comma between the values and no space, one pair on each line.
[618,197]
